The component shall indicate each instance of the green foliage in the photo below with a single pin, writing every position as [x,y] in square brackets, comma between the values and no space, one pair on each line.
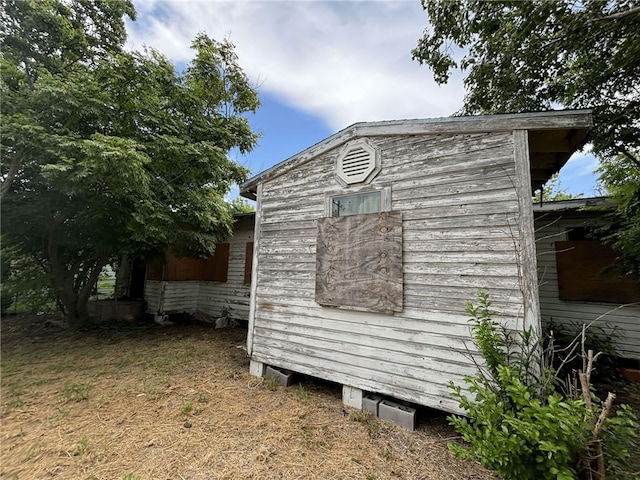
[553,191]
[523,438]
[531,56]
[108,153]
[517,424]
[76,391]
[187,408]
[82,446]
[240,205]
[25,283]
[619,440]
[271,383]
[620,228]
[302,393]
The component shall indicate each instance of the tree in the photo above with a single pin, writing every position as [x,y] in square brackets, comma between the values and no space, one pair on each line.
[620,227]
[109,153]
[553,191]
[527,56]
[240,205]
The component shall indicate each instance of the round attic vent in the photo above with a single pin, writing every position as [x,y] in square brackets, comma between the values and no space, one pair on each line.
[358,162]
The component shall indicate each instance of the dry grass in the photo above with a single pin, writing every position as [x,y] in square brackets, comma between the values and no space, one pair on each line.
[144,402]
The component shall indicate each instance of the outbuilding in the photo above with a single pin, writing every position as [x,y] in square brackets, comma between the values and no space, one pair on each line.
[578,281]
[369,244]
[214,289]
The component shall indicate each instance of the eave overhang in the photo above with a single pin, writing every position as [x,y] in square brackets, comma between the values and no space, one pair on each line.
[553,137]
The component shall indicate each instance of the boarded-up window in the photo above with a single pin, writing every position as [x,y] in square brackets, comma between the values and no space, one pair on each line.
[212,269]
[216,267]
[248,263]
[584,274]
[359,262]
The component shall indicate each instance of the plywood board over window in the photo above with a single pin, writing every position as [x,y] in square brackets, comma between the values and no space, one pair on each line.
[585,274]
[248,263]
[212,269]
[359,262]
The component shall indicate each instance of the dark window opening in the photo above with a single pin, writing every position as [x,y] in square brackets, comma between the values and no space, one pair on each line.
[575,234]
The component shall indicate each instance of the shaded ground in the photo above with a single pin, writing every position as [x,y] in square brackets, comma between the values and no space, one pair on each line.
[142,402]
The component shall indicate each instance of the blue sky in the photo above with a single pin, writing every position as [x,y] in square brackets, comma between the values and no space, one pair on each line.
[320,66]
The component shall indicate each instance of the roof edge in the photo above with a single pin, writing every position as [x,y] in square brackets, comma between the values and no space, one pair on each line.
[572,204]
[547,120]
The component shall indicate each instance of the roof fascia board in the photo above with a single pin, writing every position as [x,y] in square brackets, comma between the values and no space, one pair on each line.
[550,120]
[573,204]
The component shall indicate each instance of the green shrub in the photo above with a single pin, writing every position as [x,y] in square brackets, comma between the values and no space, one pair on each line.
[519,424]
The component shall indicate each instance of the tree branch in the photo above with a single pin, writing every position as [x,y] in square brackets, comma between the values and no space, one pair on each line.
[627,154]
[13,170]
[85,292]
[616,16]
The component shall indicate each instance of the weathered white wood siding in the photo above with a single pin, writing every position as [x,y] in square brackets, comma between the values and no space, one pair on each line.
[214,299]
[230,298]
[461,220]
[171,297]
[551,228]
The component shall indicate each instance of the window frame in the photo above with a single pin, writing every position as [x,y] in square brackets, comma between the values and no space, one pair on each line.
[385,200]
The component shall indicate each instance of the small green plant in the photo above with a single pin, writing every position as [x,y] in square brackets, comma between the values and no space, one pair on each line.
[302,393]
[187,408]
[34,449]
[369,476]
[75,391]
[82,446]
[58,418]
[271,384]
[123,362]
[203,398]
[520,425]
[131,476]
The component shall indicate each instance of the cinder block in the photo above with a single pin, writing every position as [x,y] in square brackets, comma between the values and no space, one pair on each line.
[371,402]
[399,414]
[282,377]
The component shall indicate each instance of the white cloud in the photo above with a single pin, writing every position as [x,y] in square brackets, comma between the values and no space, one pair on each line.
[342,61]
[583,162]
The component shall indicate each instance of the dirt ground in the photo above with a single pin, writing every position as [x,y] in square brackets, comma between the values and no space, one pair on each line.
[143,402]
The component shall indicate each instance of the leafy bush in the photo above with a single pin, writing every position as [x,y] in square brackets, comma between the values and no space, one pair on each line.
[519,424]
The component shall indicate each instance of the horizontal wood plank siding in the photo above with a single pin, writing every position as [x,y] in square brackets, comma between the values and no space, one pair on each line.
[213,299]
[460,214]
[171,297]
[625,322]
[230,298]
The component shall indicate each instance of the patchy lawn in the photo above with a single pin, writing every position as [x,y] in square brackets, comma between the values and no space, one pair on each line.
[142,402]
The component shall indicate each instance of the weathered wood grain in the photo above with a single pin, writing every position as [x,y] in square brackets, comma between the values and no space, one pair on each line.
[552,228]
[359,262]
[211,298]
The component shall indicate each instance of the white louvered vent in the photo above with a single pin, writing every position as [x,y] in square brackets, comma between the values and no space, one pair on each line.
[358,162]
